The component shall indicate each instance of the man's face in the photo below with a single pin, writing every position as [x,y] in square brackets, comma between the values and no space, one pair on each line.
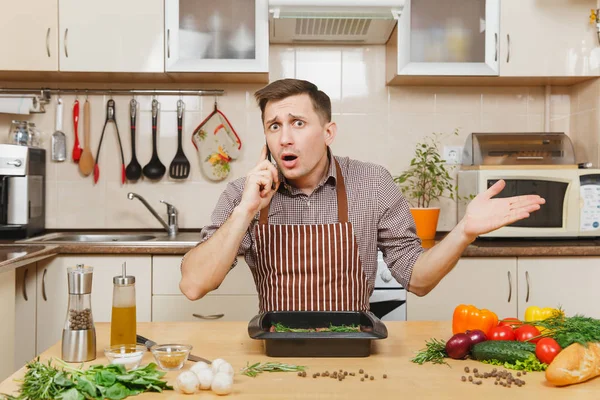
[296,136]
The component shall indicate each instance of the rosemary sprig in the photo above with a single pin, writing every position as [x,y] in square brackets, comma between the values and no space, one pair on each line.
[255,369]
[279,327]
[434,352]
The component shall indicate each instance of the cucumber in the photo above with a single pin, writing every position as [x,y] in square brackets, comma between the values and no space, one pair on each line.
[503,351]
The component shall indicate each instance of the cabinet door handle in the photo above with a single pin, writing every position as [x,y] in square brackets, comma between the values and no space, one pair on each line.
[44,285]
[507,48]
[48,42]
[25,285]
[527,279]
[168,43]
[496,44]
[509,287]
[66,51]
[215,316]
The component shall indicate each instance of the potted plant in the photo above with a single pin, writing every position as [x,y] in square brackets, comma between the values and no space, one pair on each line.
[426,180]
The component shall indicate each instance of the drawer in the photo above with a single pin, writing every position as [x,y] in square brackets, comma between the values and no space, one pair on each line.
[166,276]
[179,308]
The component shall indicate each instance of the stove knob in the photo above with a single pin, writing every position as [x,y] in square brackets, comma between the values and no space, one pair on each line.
[386,275]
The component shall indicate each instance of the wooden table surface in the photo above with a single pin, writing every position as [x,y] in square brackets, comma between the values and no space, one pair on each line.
[230,341]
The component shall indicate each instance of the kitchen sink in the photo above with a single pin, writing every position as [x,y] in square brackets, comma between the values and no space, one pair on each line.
[117,238]
[103,238]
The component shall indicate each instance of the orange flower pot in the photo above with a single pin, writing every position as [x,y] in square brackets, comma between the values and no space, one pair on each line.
[426,220]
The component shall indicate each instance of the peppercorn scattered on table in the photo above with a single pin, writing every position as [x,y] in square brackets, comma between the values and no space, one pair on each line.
[387,373]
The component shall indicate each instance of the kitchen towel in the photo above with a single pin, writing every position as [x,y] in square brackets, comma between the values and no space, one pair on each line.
[15,104]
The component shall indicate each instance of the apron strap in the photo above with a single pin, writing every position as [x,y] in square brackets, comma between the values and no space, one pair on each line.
[342,199]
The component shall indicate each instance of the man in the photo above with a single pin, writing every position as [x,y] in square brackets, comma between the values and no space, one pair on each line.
[310,226]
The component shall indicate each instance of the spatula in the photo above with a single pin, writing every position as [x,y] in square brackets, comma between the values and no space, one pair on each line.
[180,166]
[86,161]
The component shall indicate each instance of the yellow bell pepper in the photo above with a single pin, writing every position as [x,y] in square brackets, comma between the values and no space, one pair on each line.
[533,313]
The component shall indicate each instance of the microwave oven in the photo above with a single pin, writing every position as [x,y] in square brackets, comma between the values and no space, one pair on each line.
[572,195]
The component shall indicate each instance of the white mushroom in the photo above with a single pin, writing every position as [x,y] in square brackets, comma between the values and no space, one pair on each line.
[199,366]
[222,383]
[216,364]
[187,382]
[226,368]
[205,376]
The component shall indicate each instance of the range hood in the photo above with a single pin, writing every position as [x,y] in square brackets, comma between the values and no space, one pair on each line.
[333,21]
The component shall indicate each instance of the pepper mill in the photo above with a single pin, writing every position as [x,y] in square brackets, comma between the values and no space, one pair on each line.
[79,333]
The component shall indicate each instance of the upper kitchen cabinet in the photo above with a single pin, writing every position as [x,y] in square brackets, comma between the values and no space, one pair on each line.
[110,35]
[550,38]
[456,38]
[217,36]
[30,32]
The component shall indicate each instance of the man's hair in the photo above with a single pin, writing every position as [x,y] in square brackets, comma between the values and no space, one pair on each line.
[284,88]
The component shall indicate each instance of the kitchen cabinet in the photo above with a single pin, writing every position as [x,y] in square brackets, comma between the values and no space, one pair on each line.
[460,38]
[486,282]
[228,36]
[29,29]
[235,300]
[548,38]
[569,282]
[25,313]
[7,328]
[53,291]
[111,36]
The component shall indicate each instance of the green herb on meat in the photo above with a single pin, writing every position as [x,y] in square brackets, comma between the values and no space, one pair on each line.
[255,369]
[530,365]
[434,352]
[113,382]
[568,330]
[279,327]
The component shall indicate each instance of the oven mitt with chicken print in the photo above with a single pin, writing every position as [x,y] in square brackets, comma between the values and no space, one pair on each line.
[217,145]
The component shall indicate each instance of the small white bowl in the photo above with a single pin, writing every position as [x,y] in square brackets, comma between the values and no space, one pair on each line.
[128,355]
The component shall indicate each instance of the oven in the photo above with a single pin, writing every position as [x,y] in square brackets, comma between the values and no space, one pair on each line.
[388,301]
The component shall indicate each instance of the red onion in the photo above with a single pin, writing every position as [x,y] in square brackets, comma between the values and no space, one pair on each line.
[458,346]
[476,336]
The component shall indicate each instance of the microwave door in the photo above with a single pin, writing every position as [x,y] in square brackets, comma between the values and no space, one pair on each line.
[548,216]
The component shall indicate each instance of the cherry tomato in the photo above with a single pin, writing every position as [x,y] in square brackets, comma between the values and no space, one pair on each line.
[501,333]
[526,332]
[512,322]
[546,349]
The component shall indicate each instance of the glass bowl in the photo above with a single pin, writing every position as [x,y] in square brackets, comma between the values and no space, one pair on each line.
[171,357]
[128,355]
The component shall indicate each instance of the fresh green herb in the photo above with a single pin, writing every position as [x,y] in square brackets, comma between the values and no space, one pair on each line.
[279,327]
[113,382]
[531,364]
[568,330]
[255,369]
[434,352]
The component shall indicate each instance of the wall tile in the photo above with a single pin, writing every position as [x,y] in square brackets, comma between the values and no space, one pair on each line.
[282,62]
[454,99]
[363,87]
[323,67]
[512,100]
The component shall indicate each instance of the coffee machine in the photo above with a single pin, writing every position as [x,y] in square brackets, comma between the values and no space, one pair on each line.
[22,191]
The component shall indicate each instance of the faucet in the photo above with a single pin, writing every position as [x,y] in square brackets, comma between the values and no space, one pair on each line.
[172,227]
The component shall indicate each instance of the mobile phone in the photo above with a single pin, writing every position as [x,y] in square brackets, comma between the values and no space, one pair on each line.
[270,160]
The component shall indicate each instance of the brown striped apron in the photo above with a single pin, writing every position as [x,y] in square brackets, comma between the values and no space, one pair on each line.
[310,267]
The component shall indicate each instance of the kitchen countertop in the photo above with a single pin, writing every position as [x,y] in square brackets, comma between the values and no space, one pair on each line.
[15,254]
[230,341]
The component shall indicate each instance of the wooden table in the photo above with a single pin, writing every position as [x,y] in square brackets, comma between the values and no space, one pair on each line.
[230,341]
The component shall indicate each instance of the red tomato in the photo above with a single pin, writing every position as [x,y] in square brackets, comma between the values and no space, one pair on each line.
[526,332]
[546,349]
[512,322]
[501,333]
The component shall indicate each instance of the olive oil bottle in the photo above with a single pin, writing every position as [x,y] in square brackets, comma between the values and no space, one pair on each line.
[123,319]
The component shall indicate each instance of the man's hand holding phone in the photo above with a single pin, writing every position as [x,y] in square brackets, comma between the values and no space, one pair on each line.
[261,184]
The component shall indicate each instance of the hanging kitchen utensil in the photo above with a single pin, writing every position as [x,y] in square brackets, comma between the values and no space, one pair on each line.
[76,148]
[86,162]
[110,117]
[154,169]
[217,144]
[59,140]
[133,172]
[180,166]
